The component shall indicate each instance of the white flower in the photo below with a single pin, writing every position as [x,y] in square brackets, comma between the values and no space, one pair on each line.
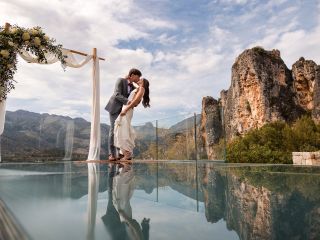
[34,31]
[25,36]
[13,30]
[37,41]
[5,53]
[10,43]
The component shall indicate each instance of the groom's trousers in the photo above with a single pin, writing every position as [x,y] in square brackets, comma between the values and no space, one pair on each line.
[112,149]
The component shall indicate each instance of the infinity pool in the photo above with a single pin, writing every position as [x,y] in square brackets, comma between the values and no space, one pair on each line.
[161,200]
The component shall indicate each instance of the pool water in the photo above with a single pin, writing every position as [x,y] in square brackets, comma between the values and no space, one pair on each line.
[162,200]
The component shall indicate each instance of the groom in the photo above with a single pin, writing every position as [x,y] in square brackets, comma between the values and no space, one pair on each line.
[122,90]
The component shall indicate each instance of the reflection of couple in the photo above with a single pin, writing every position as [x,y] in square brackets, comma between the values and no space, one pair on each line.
[128,93]
[118,218]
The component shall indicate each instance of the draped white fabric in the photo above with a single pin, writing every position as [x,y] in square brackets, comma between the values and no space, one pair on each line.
[124,133]
[94,148]
[51,58]
[2,120]
[2,115]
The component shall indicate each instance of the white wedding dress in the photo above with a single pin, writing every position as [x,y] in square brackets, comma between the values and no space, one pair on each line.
[124,134]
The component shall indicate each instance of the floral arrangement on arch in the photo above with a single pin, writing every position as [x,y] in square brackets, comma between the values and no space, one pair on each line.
[13,40]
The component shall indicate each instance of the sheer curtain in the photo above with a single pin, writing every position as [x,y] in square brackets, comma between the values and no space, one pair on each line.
[2,115]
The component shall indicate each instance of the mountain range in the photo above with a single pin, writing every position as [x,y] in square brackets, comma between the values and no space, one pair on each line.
[30,136]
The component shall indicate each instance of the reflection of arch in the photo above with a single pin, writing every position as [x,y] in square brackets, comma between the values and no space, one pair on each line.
[70,61]
[93,187]
[67,178]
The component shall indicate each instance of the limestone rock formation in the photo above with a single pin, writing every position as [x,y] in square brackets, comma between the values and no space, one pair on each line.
[303,73]
[211,128]
[262,90]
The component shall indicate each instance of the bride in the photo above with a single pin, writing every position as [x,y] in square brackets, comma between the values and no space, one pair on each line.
[124,134]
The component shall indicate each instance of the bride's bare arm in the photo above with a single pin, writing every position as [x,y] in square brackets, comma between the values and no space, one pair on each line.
[135,101]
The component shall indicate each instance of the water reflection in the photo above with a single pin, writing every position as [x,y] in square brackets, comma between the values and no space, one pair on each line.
[257,202]
[184,201]
[93,188]
[118,217]
[264,202]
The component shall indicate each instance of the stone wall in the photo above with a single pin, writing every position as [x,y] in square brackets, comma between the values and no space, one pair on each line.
[306,158]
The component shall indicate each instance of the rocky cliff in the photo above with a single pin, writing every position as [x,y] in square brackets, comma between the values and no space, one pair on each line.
[262,90]
[306,86]
[211,130]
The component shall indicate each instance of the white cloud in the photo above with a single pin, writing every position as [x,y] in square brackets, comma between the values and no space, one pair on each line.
[240,2]
[152,23]
[183,65]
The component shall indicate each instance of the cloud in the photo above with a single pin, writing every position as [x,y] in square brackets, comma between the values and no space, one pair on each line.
[185,50]
[232,2]
[151,23]
[292,39]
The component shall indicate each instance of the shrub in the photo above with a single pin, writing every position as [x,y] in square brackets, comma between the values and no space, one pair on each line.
[275,142]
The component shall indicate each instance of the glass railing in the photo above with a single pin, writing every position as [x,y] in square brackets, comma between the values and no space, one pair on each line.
[179,137]
[43,137]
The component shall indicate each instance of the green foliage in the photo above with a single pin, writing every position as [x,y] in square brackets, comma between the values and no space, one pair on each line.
[174,146]
[13,41]
[275,142]
[259,49]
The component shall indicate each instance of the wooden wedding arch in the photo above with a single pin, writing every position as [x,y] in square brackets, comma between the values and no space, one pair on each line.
[94,146]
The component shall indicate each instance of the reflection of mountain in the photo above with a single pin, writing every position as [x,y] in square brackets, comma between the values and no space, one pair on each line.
[264,205]
[51,184]
[263,202]
[256,204]
[181,178]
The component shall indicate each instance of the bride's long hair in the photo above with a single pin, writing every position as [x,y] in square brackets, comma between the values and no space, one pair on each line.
[146,98]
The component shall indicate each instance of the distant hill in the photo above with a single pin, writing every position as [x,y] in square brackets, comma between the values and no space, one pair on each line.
[46,137]
[30,136]
[186,124]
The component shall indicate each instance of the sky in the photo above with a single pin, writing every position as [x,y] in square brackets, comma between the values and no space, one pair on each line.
[185,48]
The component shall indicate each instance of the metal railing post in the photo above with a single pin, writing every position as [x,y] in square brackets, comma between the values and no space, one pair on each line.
[195,136]
[157,141]
[157,181]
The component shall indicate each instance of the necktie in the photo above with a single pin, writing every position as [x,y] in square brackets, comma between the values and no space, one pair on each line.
[130,86]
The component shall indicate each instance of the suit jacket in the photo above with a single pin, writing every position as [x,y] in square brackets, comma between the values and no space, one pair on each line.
[119,96]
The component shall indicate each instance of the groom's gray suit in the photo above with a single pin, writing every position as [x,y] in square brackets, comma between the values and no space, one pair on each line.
[114,106]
